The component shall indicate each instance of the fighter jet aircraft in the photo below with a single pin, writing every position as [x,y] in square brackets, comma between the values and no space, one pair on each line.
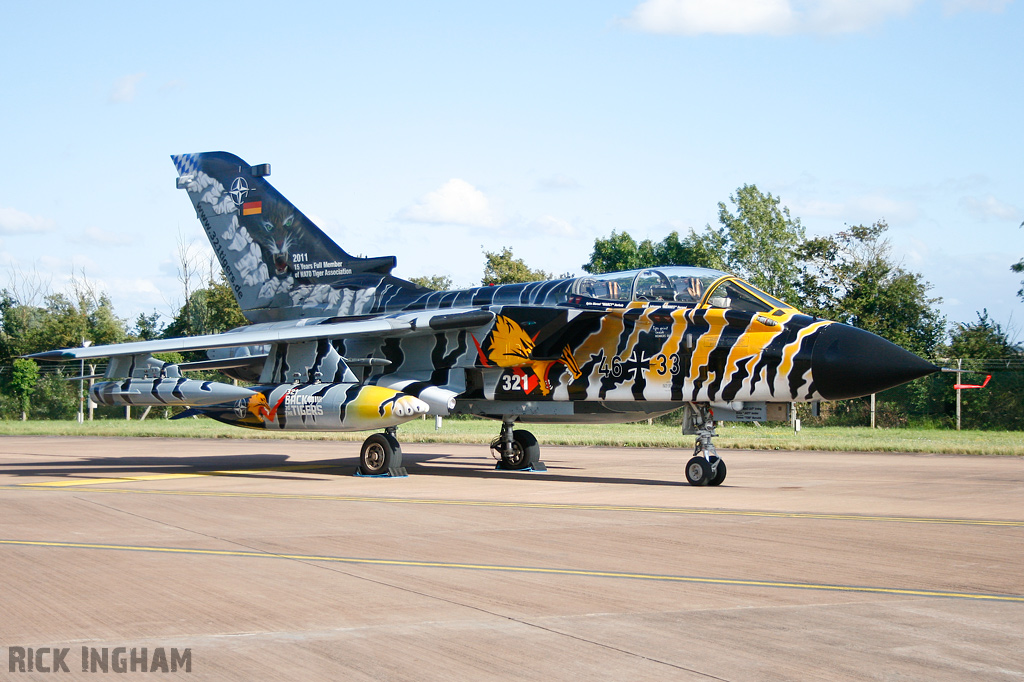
[337,343]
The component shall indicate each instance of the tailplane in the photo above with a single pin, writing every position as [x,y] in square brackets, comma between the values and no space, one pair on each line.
[278,263]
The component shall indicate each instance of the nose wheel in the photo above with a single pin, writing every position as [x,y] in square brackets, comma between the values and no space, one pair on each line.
[701,471]
[705,467]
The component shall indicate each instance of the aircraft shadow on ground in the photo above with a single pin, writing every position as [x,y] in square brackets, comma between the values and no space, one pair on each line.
[249,466]
[427,465]
[240,466]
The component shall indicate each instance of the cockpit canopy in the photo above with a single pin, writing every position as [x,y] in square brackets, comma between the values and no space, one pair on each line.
[682,285]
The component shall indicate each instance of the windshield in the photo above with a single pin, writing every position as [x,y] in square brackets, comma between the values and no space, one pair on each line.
[670,283]
[735,294]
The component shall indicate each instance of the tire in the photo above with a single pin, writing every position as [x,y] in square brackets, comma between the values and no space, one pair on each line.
[525,452]
[697,471]
[719,473]
[395,445]
[378,455]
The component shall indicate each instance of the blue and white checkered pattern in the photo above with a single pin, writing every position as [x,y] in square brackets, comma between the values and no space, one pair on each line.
[187,164]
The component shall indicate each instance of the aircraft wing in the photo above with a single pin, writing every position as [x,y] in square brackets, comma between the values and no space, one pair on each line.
[426,322]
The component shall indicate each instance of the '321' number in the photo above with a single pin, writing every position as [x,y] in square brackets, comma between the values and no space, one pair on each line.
[512,382]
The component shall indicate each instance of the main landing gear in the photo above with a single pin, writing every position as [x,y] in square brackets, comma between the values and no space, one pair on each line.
[705,467]
[516,450]
[381,455]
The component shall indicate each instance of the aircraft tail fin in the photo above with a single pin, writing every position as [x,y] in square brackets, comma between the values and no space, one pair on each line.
[278,263]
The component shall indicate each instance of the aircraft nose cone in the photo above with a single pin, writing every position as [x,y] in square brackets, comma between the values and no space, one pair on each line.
[848,363]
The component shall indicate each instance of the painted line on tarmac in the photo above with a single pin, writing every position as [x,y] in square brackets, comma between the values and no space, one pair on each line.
[978,596]
[529,505]
[66,483]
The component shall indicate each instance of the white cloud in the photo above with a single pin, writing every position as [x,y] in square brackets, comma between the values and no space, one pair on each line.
[554,227]
[124,88]
[693,17]
[143,290]
[989,207]
[456,203]
[13,221]
[769,17]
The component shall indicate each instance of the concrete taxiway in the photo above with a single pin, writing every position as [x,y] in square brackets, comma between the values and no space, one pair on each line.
[270,560]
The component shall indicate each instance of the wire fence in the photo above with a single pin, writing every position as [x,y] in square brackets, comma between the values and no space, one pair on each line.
[64,369]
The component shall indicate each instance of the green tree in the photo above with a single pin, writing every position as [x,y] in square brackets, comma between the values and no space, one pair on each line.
[831,266]
[22,385]
[505,268]
[63,321]
[210,310]
[851,277]
[55,397]
[22,314]
[70,319]
[988,349]
[759,242]
[621,251]
[434,282]
[148,327]
[704,252]
[223,311]
[20,327]
[981,340]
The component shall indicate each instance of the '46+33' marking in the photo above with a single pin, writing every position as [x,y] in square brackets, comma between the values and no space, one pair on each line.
[661,364]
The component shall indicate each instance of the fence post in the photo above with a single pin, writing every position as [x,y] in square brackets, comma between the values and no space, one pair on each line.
[81,391]
[872,410]
[92,405]
[959,365]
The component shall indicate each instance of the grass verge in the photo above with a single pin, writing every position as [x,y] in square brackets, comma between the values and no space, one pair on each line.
[737,436]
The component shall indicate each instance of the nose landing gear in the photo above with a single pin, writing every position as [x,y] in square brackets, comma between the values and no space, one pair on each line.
[705,467]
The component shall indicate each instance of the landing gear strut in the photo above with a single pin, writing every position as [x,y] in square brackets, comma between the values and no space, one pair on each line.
[705,467]
[381,455]
[517,450]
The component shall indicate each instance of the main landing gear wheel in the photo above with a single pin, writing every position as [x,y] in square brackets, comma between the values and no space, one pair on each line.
[517,450]
[381,455]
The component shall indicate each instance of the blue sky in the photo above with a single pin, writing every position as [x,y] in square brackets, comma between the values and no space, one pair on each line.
[433,131]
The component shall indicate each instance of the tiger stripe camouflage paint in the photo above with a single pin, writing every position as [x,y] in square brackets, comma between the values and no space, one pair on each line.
[649,352]
[318,407]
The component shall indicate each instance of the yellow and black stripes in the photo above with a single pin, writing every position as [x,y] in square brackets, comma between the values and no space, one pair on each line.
[652,352]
